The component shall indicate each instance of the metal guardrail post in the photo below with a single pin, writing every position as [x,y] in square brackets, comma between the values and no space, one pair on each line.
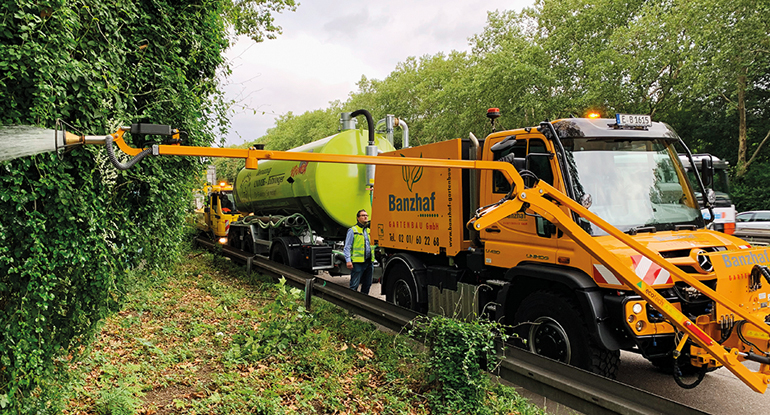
[308,292]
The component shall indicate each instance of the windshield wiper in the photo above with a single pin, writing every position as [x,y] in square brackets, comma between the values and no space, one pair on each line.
[636,229]
[687,226]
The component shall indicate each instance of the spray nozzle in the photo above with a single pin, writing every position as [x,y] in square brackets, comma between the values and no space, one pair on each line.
[65,139]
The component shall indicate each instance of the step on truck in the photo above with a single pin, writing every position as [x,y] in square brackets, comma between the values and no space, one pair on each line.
[583,235]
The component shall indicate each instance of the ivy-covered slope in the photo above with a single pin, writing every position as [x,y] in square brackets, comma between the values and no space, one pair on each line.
[73,228]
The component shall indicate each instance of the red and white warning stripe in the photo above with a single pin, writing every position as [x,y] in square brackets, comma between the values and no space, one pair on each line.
[604,276]
[650,272]
[227,227]
[647,271]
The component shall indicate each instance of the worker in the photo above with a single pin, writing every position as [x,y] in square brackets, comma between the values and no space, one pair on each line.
[358,253]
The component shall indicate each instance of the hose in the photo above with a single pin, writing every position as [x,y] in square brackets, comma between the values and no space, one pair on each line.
[369,123]
[296,222]
[678,376]
[111,154]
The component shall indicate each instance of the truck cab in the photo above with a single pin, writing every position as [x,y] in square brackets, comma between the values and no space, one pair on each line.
[215,211]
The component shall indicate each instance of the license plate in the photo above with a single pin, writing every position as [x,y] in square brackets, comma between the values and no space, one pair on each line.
[633,120]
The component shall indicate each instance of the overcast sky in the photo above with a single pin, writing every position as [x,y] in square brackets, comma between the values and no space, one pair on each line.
[327,45]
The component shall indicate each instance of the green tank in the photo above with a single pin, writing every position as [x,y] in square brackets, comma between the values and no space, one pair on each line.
[328,195]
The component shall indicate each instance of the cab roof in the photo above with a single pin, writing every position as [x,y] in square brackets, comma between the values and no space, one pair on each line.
[607,127]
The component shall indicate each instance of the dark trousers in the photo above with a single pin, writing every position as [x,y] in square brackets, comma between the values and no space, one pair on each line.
[361,275]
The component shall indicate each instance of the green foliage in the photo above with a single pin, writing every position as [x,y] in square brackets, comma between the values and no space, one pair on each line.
[292,131]
[73,229]
[117,401]
[752,192]
[288,323]
[701,66]
[460,352]
[254,18]
[172,348]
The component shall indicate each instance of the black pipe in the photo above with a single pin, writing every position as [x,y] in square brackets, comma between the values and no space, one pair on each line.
[707,204]
[111,154]
[560,148]
[369,123]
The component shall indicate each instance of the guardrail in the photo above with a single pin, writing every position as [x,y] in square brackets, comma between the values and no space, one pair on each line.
[757,237]
[581,390]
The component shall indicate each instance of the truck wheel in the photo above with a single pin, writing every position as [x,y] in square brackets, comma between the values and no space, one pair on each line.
[248,245]
[279,254]
[552,326]
[401,290]
[282,251]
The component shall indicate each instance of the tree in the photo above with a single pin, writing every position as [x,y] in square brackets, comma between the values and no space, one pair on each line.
[730,61]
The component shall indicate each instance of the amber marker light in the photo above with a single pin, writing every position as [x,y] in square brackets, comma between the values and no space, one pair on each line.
[593,114]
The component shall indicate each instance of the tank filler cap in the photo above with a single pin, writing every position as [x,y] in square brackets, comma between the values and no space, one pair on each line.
[347,122]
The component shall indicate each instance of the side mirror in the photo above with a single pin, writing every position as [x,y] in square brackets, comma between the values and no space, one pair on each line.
[707,172]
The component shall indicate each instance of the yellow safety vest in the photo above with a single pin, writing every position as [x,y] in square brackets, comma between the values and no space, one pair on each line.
[358,250]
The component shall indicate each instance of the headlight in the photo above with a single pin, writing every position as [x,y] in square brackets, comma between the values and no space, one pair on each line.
[223,241]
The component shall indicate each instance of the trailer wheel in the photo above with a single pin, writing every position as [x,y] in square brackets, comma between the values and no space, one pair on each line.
[279,254]
[552,326]
[247,244]
[401,289]
[280,251]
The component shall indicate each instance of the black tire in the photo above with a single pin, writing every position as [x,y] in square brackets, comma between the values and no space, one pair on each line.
[283,252]
[247,245]
[401,289]
[552,326]
[280,254]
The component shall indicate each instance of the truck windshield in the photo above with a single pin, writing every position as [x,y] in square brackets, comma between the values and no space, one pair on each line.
[632,184]
[227,202]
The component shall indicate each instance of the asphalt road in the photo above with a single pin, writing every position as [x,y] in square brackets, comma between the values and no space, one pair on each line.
[720,393]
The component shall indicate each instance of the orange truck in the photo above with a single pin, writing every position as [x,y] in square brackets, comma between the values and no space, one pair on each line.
[527,272]
[584,235]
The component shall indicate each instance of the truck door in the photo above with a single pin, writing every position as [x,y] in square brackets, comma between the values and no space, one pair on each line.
[211,210]
[519,237]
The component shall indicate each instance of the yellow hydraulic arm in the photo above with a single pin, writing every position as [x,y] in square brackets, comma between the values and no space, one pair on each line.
[536,199]
[544,200]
